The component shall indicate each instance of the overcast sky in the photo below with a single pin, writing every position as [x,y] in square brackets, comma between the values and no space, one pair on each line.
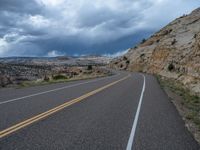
[76,27]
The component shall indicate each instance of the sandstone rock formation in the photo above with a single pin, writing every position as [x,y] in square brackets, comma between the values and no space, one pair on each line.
[173,52]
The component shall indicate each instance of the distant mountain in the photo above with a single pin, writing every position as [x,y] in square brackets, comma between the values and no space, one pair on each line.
[60,60]
[173,52]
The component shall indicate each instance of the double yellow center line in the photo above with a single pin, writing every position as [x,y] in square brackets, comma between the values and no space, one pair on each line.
[43,115]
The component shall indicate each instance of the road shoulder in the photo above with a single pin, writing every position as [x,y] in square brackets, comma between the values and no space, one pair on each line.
[180,98]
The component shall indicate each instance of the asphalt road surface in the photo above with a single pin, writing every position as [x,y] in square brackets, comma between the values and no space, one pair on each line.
[121,112]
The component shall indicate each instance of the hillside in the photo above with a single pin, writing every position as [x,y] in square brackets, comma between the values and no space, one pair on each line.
[173,52]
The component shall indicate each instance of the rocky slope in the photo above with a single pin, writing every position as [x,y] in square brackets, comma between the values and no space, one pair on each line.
[173,52]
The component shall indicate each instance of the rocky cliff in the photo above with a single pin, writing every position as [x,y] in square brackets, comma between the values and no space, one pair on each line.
[172,52]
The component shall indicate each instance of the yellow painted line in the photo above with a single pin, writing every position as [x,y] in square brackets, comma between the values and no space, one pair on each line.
[43,115]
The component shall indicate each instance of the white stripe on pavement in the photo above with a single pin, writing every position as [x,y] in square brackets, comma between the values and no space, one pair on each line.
[132,135]
[53,90]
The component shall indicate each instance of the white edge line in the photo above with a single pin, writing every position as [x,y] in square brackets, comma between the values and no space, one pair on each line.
[132,135]
[53,90]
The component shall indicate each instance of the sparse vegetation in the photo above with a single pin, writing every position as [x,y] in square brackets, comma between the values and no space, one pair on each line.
[184,15]
[171,67]
[195,35]
[142,55]
[89,67]
[64,78]
[59,77]
[143,40]
[116,63]
[189,101]
[23,75]
[127,62]
[158,40]
[125,58]
[174,41]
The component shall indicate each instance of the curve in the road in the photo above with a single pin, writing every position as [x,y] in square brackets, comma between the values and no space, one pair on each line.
[132,135]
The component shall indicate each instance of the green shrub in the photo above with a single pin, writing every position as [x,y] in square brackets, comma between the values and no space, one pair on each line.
[143,40]
[59,77]
[190,102]
[125,58]
[171,67]
[142,55]
[174,41]
[89,67]
[127,62]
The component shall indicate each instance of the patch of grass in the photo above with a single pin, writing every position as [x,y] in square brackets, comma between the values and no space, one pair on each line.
[42,82]
[189,101]
[59,79]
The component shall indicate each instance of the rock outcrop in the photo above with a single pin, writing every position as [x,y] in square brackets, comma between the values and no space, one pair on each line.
[173,52]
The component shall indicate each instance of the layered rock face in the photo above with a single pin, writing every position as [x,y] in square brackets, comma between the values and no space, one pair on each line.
[173,52]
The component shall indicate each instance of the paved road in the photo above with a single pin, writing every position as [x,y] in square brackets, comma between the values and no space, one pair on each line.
[125,111]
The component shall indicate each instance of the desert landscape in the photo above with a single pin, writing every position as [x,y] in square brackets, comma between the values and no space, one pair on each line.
[99,75]
[33,71]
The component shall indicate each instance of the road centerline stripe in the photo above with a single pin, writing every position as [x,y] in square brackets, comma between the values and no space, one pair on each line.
[53,90]
[132,135]
[43,115]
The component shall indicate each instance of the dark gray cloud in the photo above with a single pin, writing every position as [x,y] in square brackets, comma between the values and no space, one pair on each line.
[42,27]
[20,6]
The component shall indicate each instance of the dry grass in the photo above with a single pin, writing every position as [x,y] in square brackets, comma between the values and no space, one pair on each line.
[189,101]
[59,80]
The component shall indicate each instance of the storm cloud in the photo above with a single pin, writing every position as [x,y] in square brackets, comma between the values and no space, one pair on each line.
[65,27]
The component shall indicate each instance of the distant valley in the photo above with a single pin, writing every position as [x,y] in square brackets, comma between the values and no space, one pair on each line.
[20,70]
